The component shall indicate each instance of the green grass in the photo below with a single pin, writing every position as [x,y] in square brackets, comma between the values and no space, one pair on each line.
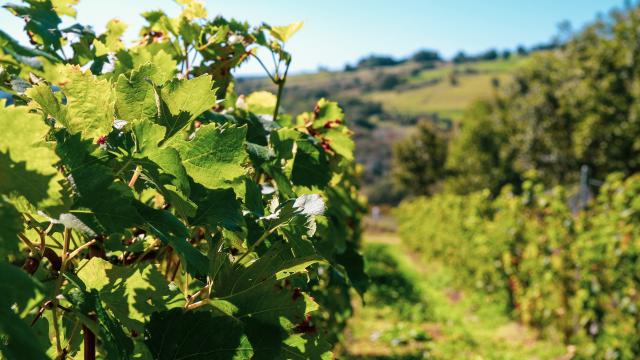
[413,312]
[431,90]
[443,98]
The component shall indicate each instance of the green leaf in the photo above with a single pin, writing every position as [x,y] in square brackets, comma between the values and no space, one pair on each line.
[135,96]
[11,46]
[111,334]
[219,208]
[131,293]
[65,7]
[11,226]
[173,232]
[17,287]
[301,346]
[148,137]
[164,66]
[176,334]
[192,9]
[193,96]
[253,197]
[216,156]
[327,111]
[16,338]
[24,189]
[101,202]
[284,33]
[261,102]
[27,161]
[110,42]
[339,139]
[242,283]
[310,165]
[256,295]
[90,102]
[41,22]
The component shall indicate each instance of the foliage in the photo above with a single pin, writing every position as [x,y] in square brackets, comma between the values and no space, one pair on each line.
[154,209]
[377,61]
[571,275]
[419,160]
[477,157]
[574,106]
[426,56]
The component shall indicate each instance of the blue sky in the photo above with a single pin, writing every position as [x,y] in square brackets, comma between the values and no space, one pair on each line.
[341,31]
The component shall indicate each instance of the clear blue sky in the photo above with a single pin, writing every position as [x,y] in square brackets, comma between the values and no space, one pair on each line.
[337,32]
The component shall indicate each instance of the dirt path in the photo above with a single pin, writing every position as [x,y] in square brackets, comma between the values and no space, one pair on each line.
[412,312]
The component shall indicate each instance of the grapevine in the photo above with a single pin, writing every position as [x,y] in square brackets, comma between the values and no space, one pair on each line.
[149,211]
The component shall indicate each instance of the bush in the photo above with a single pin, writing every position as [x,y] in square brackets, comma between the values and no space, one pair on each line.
[573,276]
[426,56]
[419,160]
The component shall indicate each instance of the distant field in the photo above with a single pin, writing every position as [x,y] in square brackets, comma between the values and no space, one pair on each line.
[443,98]
[432,91]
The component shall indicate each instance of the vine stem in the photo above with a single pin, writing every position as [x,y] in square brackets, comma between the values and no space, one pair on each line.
[193,297]
[264,67]
[89,341]
[136,175]
[280,83]
[56,301]
[28,242]
[80,248]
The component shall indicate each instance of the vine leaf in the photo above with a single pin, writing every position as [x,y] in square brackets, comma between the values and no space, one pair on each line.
[173,232]
[130,293]
[215,156]
[198,335]
[18,289]
[27,162]
[135,96]
[11,226]
[310,165]
[193,96]
[162,166]
[87,302]
[164,65]
[100,202]
[284,33]
[218,207]
[90,102]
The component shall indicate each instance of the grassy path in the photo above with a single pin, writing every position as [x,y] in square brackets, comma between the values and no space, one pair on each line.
[413,313]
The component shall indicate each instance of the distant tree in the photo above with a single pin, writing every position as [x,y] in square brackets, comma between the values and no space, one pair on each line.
[521,50]
[506,54]
[389,82]
[419,160]
[491,54]
[460,57]
[426,55]
[349,68]
[574,106]
[480,157]
[377,60]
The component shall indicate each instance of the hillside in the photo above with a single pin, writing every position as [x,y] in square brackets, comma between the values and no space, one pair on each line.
[383,102]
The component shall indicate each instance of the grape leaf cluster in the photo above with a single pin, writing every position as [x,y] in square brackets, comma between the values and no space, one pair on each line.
[148,211]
